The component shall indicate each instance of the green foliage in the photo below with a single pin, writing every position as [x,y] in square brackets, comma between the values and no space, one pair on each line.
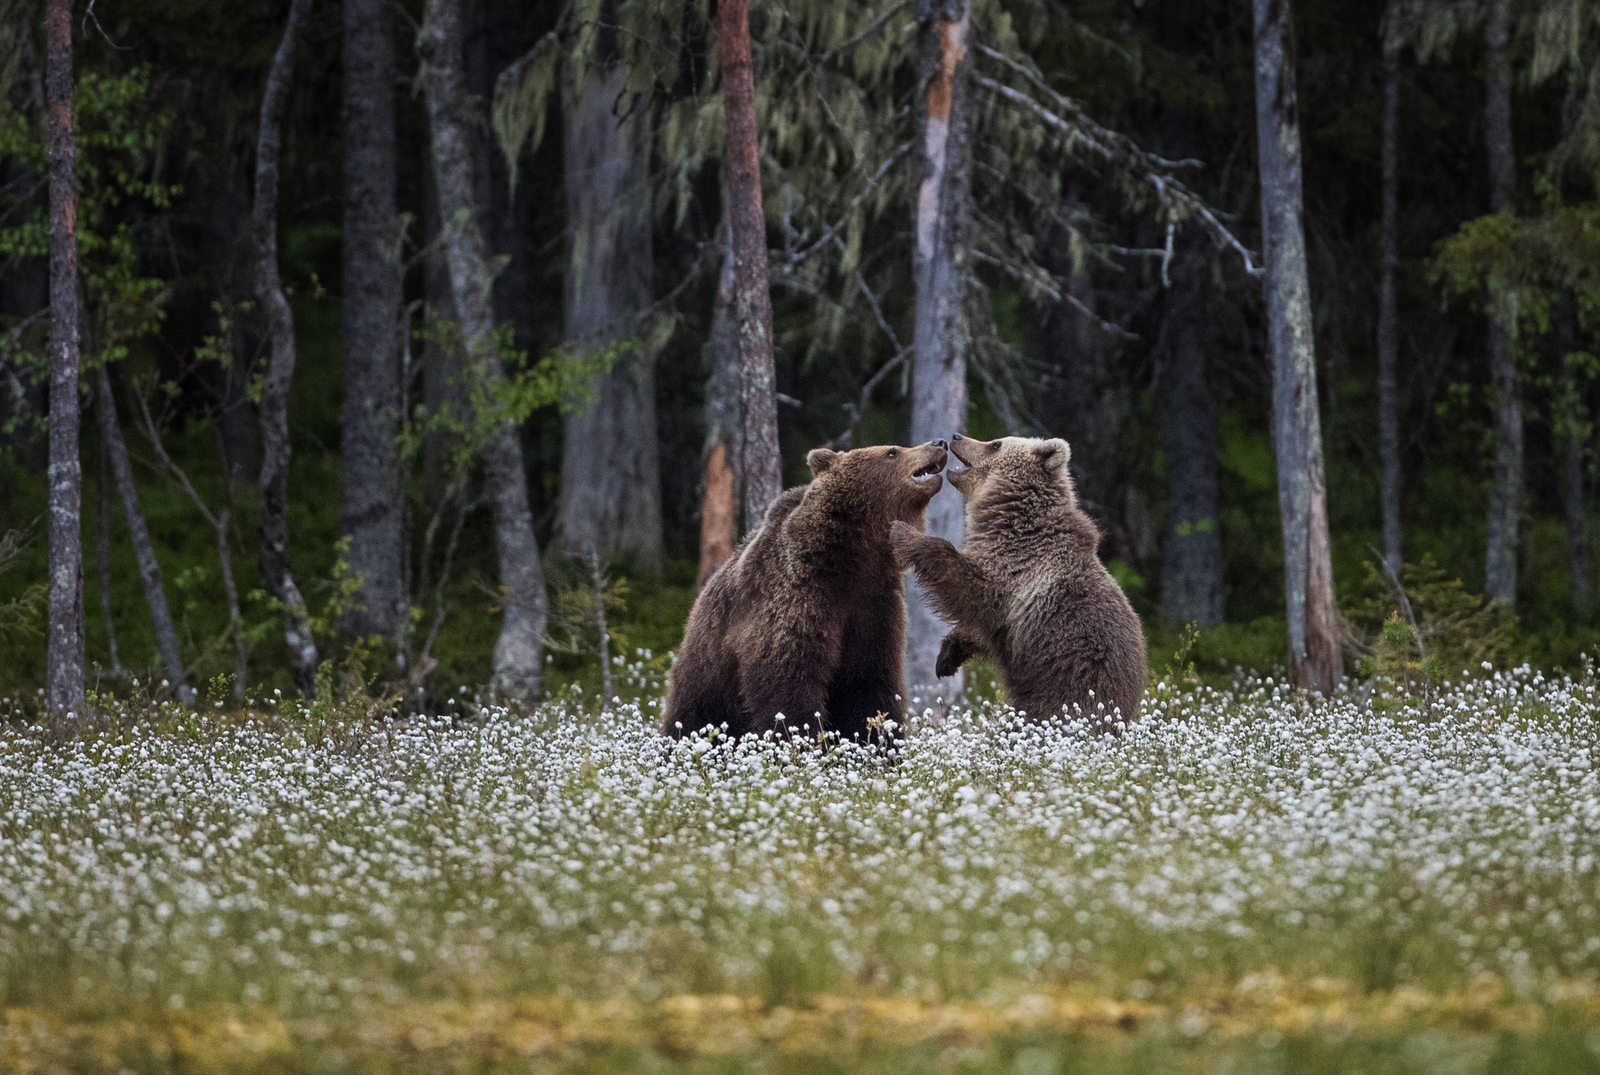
[560,379]
[17,616]
[119,137]
[1457,632]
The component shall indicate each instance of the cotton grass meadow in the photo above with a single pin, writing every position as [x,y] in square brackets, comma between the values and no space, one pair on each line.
[1245,873]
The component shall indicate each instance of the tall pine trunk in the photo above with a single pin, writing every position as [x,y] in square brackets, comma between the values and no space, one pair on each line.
[940,269]
[64,645]
[1505,489]
[1388,319]
[610,461]
[155,593]
[1296,427]
[276,576]
[516,651]
[1191,561]
[752,298]
[719,506]
[369,500]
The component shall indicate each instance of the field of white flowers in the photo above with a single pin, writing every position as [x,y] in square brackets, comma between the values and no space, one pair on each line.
[1247,880]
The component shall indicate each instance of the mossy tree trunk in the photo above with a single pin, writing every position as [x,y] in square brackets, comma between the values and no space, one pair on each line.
[144,552]
[523,601]
[370,506]
[276,576]
[64,643]
[610,462]
[1191,561]
[1314,661]
[941,268]
[719,505]
[1388,319]
[1505,486]
[752,299]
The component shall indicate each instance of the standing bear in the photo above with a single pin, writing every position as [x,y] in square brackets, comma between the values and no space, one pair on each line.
[1027,589]
[808,618]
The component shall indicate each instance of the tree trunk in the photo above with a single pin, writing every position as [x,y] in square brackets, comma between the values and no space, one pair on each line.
[144,552]
[1191,563]
[610,460]
[1577,515]
[719,510]
[103,559]
[276,577]
[1296,428]
[64,646]
[370,502]
[1505,490]
[516,651]
[940,268]
[752,299]
[1388,321]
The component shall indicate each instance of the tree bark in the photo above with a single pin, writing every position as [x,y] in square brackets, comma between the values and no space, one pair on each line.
[370,502]
[1296,427]
[610,461]
[719,509]
[144,552]
[1505,490]
[516,651]
[1577,514]
[103,559]
[1191,562]
[940,268]
[276,577]
[752,298]
[1388,320]
[64,645]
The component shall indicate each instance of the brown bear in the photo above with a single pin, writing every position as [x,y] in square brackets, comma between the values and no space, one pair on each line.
[808,618]
[1027,589]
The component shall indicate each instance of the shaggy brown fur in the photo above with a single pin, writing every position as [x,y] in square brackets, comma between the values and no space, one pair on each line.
[808,619]
[1027,590]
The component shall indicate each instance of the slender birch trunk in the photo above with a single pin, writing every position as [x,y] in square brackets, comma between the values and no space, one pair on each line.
[940,268]
[370,504]
[1388,319]
[276,577]
[752,298]
[1505,489]
[611,461]
[64,645]
[1191,560]
[1296,427]
[719,508]
[103,559]
[155,593]
[219,526]
[516,651]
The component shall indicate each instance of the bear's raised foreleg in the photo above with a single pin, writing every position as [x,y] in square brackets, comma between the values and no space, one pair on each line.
[955,585]
[957,649]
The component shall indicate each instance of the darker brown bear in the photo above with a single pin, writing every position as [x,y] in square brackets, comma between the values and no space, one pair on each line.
[808,618]
[1027,589]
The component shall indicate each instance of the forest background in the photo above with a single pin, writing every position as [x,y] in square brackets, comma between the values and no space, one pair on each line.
[1093,311]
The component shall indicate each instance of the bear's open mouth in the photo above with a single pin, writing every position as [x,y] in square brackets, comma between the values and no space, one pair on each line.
[927,472]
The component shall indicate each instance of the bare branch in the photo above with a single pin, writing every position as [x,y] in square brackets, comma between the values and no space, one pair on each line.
[1083,134]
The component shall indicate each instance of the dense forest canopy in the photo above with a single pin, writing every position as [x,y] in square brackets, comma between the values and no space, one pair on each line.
[503,237]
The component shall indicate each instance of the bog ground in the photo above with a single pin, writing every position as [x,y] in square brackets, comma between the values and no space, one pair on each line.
[1246,881]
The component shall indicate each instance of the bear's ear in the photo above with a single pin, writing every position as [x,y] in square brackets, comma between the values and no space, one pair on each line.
[820,459]
[1054,454]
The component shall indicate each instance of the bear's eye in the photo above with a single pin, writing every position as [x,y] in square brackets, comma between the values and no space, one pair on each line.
[891,454]
[994,447]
